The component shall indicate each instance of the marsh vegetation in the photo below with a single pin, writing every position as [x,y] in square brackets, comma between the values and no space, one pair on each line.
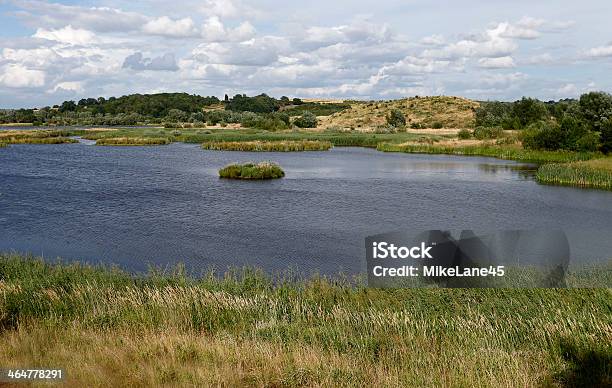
[252,171]
[242,327]
[132,141]
[263,146]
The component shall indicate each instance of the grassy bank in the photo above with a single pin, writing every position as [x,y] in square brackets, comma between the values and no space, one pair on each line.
[132,141]
[36,137]
[512,152]
[596,173]
[252,171]
[106,327]
[263,146]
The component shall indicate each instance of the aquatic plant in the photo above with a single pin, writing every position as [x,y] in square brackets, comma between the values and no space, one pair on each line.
[501,152]
[132,141]
[595,174]
[279,145]
[252,171]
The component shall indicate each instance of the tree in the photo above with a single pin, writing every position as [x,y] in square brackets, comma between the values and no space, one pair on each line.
[396,118]
[605,136]
[307,120]
[529,110]
[68,106]
[596,109]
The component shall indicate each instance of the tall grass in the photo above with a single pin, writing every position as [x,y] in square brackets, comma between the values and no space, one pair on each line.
[132,141]
[36,137]
[107,327]
[252,171]
[263,146]
[501,152]
[582,174]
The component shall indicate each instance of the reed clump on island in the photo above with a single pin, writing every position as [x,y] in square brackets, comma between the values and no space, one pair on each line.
[243,327]
[267,146]
[596,173]
[132,141]
[252,171]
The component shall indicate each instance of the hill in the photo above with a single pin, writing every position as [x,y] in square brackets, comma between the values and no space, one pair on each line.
[420,112]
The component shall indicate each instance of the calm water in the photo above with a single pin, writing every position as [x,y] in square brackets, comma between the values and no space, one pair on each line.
[136,206]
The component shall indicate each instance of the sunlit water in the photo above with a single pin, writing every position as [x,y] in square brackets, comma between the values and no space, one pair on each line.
[136,206]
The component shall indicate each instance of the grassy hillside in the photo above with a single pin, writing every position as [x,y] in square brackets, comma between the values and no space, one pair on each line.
[108,328]
[420,112]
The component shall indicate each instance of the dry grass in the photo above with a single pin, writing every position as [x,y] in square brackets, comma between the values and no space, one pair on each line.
[449,112]
[107,328]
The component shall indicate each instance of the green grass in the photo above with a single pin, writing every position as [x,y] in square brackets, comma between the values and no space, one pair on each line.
[596,173]
[36,137]
[262,146]
[501,152]
[245,328]
[132,141]
[252,171]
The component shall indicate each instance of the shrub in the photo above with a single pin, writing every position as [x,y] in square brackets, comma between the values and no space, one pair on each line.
[306,120]
[464,134]
[543,136]
[252,171]
[437,125]
[606,136]
[482,133]
[588,142]
[396,118]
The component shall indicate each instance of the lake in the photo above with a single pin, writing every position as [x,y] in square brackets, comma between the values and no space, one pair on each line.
[136,206]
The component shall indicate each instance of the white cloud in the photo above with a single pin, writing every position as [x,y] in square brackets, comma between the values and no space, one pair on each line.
[567,90]
[103,19]
[164,26]
[18,76]
[69,86]
[68,35]
[600,52]
[496,63]
[213,30]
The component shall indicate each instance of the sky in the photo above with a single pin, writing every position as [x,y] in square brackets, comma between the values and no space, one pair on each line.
[51,51]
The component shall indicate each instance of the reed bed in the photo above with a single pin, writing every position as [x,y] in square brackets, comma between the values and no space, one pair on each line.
[267,146]
[132,141]
[36,137]
[501,152]
[245,328]
[595,174]
[252,171]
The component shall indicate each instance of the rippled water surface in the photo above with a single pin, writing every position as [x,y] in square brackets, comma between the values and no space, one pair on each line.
[135,206]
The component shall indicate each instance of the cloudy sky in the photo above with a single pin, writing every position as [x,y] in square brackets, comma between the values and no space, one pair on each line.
[54,51]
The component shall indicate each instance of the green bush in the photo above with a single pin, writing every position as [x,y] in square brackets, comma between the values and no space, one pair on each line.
[306,120]
[437,125]
[252,171]
[482,133]
[464,134]
[396,118]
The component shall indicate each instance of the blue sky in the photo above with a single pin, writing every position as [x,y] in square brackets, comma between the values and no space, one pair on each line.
[54,51]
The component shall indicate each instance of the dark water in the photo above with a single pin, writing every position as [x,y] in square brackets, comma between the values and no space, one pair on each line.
[135,206]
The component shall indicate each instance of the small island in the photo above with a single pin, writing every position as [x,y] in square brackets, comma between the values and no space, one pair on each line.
[252,171]
[267,146]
